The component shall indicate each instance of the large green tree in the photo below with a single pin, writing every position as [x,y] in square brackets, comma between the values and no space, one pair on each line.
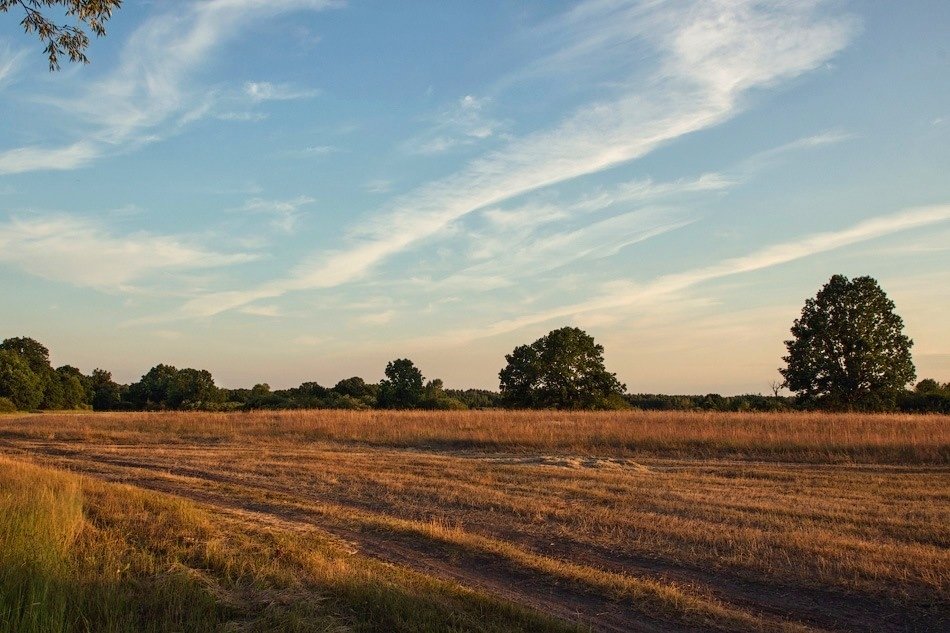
[76,387]
[36,355]
[848,349]
[105,393]
[18,382]
[561,370]
[70,40]
[403,386]
[193,389]
[151,391]
[32,351]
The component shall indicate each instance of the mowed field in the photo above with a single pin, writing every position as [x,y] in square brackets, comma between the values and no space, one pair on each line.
[474,521]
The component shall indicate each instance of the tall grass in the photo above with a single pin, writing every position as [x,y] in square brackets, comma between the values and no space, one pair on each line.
[80,555]
[59,572]
[803,437]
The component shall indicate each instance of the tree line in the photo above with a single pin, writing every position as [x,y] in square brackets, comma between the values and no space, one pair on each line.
[847,352]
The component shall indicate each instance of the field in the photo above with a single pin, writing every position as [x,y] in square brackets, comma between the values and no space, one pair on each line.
[474,521]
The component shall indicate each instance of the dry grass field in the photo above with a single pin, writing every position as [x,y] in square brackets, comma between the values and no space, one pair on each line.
[474,521]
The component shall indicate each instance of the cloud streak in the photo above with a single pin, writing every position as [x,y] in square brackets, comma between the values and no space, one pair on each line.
[709,55]
[84,253]
[624,294]
[266,91]
[10,64]
[151,93]
[284,213]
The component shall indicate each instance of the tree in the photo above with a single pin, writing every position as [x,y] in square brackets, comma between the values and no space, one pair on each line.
[36,356]
[354,387]
[18,382]
[402,388]
[76,392]
[561,370]
[64,39]
[927,385]
[193,389]
[105,394]
[434,397]
[151,392]
[848,350]
[32,351]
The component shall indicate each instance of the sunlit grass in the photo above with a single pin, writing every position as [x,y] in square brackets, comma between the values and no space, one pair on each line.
[80,555]
[785,504]
[803,437]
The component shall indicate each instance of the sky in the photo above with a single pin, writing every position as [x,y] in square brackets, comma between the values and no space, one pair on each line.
[284,191]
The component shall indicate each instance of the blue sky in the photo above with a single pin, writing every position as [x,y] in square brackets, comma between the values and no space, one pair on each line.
[290,190]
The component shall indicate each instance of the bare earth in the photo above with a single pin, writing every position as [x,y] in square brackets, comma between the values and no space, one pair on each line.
[859,547]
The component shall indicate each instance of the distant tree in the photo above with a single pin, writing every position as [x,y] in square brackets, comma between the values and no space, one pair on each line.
[18,382]
[260,389]
[403,386]
[64,39]
[928,396]
[311,390]
[105,394]
[476,398]
[151,391]
[354,387]
[561,370]
[75,385]
[54,395]
[927,385]
[848,349]
[32,351]
[193,389]
[436,398]
[36,356]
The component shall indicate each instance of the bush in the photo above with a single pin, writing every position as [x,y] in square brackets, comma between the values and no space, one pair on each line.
[442,402]
[7,406]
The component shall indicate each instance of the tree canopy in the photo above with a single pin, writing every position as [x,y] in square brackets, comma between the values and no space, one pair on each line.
[70,40]
[848,349]
[561,370]
[550,373]
[403,386]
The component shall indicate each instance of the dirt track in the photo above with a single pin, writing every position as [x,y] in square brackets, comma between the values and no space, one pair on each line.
[261,486]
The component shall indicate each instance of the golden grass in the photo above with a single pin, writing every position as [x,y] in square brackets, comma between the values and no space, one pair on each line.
[804,437]
[80,555]
[731,521]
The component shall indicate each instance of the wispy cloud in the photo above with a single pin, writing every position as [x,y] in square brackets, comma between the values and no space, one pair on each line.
[284,213]
[241,116]
[85,253]
[378,318]
[518,250]
[317,150]
[26,159]
[623,294]
[266,91]
[708,56]
[768,157]
[153,93]
[464,123]
[378,185]
[680,101]
[261,310]
[10,63]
